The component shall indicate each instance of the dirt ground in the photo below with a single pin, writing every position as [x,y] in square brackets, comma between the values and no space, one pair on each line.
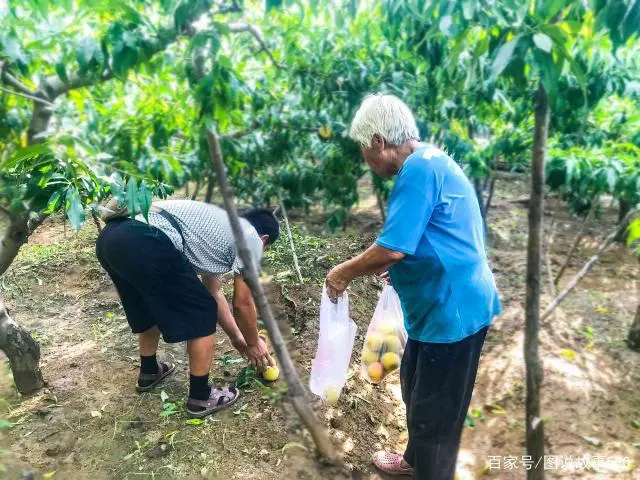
[90,423]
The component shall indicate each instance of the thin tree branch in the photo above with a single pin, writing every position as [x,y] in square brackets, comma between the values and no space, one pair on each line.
[587,267]
[576,241]
[27,96]
[12,81]
[239,27]
[297,391]
[293,247]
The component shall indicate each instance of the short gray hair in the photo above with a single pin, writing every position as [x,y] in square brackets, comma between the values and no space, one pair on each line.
[386,116]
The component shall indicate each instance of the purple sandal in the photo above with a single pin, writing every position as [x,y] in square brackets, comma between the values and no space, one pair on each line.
[147,381]
[219,398]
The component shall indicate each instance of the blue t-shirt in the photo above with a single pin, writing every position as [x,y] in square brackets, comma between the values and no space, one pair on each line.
[445,284]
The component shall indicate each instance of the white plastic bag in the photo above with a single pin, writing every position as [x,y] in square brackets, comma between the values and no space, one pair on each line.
[335,345]
[386,338]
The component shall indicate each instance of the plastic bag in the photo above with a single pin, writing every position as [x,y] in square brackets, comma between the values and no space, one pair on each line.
[386,338]
[335,345]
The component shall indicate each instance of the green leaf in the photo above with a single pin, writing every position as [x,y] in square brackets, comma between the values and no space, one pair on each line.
[62,72]
[131,196]
[144,199]
[548,72]
[13,49]
[631,22]
[543,42]
[568,353]
[503,57]
[468,9]
[75,211]
[578,72]
[85,51]
[54,203]
[551,8]
[446,23]
[194,421]
[5,423]
[24,154]
[634,232]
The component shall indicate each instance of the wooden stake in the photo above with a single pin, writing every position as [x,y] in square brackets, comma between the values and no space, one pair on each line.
[293,248]
[297,391]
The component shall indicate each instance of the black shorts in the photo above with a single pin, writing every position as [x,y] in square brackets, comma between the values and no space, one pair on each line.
[155,281]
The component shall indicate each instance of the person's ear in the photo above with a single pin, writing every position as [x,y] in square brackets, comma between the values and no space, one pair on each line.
[265,241]
[377,143]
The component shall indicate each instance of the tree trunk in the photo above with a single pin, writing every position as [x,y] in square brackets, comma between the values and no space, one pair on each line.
[297,391]
[634,333]
[381,206]
[477,184]
[14,237]
[534,423]
[196,189]
[22,351]
[210,184]
[623,210]
[492,186]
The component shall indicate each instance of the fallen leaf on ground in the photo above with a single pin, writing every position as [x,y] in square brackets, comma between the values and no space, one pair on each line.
[595,441]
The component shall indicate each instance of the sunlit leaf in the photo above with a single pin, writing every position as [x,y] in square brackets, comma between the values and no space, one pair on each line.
[503,57]
[194,421]
[144,199]
[543,42]
[131,197]
[75,210]
[570,354]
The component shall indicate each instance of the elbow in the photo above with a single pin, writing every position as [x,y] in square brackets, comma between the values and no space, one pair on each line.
[395,256]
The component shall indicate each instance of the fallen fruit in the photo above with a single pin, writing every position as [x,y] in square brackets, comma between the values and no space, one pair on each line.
[271,374]
[375,372]
[368,357]
[374,341]
[392,343]
[331,395]
[390,361]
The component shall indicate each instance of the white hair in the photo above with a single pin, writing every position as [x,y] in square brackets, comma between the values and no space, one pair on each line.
[386,116]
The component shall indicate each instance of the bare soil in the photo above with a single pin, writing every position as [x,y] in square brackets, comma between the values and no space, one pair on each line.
[90,423]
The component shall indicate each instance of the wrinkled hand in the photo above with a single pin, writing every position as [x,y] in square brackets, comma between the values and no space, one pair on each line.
[258,355]
[386,278]
[337,282]
[240,345]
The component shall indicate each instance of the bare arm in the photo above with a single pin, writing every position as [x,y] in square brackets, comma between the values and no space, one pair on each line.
[244,310]
[375,259]
[225,318]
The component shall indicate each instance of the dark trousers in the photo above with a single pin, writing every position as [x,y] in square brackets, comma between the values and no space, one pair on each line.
[437,380]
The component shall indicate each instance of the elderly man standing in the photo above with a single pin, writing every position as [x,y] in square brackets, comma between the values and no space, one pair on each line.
[433,247]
